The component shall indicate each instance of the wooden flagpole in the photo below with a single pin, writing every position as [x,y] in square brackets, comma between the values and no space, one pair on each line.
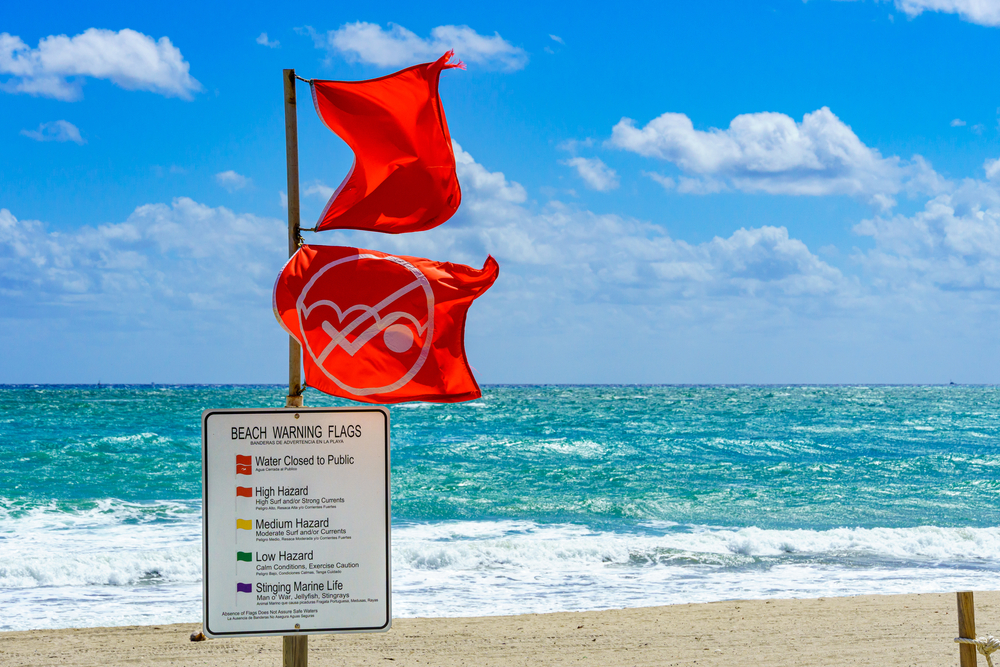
[294,648]
[294,399]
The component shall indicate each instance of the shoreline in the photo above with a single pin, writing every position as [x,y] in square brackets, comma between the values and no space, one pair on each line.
[915,629]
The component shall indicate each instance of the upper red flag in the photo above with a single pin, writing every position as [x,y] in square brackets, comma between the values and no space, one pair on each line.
[381,328]
[403,178]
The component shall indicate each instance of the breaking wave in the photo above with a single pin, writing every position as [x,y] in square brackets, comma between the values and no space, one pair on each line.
[115,562]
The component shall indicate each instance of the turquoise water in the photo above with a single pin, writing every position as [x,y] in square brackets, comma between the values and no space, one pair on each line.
[533,498]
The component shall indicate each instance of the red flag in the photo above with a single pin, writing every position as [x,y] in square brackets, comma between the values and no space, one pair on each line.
[380,328]
[244,491]
[243,464]
[403,177]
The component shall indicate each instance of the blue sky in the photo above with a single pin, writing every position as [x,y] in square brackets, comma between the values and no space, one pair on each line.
[676,192]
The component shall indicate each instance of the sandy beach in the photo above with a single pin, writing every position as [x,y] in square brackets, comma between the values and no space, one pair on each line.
[862,630]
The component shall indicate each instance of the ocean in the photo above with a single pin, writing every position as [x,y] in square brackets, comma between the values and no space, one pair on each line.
[531,499]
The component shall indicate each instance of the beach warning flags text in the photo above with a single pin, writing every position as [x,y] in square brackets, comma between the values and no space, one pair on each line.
[403,178]
[381,328]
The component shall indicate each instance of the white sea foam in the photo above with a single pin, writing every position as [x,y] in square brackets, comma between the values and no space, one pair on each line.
[110,544]
[485,568]
[118,563]
[109,563]
[477,544]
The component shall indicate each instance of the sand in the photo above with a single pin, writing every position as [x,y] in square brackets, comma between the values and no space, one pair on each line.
[865,630]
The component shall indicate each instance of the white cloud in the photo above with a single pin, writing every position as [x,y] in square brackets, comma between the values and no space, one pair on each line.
[320,190]
[952,244]
[163,258]
[573,145]
[181,291]
[184,267]
[983,12]
[396,46]
[688,186]
[699,186]
[958,122]
[597,175]
[264,41]
[770,152]
[486,184]
[177,292]
[232,181]
[57,130]
[129,59]
[558,39]
[667,182]
[992,168]
[623,294]
[559,250]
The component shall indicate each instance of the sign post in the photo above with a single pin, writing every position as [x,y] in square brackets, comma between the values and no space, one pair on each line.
[296,524]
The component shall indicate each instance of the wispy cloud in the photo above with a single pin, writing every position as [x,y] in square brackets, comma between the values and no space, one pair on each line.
[396,46]
[667,182]
[129,59]
[597,175]
[958,122]
[57,130]
[318,189]
[264,41]
[983,12]
[573,145]
[688,186]
[557,39]
[232,181]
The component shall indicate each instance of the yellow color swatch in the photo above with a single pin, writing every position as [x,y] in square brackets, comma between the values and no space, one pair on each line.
[244,524]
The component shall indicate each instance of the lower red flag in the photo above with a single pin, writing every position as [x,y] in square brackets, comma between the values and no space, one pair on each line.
[381,328]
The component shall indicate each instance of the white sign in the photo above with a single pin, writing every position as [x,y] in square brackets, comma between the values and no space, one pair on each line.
[296,521]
